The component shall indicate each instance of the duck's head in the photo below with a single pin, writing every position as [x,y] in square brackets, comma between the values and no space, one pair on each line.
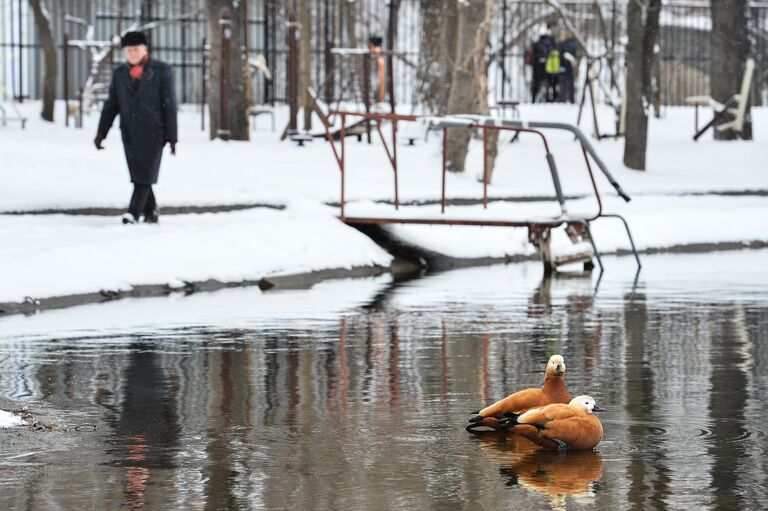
[587,403]
[555,367]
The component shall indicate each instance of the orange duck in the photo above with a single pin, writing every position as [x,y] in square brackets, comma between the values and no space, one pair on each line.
[562,427]
[553,391]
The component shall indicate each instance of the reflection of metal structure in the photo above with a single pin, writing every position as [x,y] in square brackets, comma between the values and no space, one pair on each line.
[577,227]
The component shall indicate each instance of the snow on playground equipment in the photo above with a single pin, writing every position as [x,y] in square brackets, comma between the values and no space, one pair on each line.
[577,227]
[736,106]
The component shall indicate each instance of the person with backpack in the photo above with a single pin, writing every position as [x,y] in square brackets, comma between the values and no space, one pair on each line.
[552,69]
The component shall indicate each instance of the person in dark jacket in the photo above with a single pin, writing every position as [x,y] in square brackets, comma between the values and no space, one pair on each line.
[142,92]
[539,51]
[569,60]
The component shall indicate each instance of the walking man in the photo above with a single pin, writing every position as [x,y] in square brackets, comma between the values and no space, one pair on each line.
[142,92]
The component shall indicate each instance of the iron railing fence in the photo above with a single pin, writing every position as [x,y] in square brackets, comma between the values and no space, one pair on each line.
[683,44]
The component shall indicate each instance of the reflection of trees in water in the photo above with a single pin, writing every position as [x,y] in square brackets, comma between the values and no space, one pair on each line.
[228,451]
[731,361]
[686,391]
[648,474]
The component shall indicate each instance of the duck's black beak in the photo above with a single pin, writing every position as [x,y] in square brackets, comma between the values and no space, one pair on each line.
[559,369]
[599,409]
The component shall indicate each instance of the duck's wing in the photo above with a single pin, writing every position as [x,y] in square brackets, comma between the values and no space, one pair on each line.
[547,414]
[515,403]
[578,432]
[533,433]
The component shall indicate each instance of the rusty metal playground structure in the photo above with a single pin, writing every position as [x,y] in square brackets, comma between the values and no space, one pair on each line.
[577,226]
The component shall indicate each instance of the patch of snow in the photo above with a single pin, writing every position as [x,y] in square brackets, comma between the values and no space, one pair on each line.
[665,278]
[58,255]
[233,308]
[9,420]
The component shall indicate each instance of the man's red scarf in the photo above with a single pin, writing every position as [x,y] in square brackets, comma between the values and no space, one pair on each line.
[137,71]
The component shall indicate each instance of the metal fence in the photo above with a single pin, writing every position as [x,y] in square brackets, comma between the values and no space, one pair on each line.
[683,40]
[684,44]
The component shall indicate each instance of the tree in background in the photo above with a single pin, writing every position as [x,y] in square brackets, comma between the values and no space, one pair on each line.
[729,51]
[469,85]
[439,23]
[305,61]
[642,29]
[43,25]
[238,92]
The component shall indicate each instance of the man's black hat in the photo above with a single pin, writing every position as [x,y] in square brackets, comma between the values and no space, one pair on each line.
[133,39]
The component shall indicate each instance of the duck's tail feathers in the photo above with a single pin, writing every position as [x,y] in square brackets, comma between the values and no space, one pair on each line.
[478,424]
[509,419]
[476,418]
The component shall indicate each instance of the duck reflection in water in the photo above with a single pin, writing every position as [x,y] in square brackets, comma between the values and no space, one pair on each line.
[557,475]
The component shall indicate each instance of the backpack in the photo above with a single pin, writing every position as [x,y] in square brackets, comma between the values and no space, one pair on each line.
[553,62]
[529,56]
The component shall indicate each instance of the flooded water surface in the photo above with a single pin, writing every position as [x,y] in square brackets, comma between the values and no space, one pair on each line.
[354,394]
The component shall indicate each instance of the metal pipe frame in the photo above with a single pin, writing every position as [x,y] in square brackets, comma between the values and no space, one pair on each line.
[485,124]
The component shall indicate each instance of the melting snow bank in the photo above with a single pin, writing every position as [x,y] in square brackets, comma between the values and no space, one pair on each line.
[49,261]
[9,420]
[658,224]
[91,258]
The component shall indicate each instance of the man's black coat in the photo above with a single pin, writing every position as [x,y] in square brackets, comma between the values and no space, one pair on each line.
[147,117]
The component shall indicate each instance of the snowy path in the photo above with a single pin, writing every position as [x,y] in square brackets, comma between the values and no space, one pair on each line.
[58,255]
[48,166]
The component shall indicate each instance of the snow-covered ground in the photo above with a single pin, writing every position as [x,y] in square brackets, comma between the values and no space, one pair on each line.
[692,193]
[58,255]
[47,166]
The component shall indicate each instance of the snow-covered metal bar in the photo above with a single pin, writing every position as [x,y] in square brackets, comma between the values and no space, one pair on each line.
[512,123]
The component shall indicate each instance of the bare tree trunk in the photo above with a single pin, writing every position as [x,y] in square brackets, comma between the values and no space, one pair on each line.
[469,88]
[394,10]
[238,87]
[350,23]
[730,49]
[439,22]
[305,61]
[642,29]
[43,25]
